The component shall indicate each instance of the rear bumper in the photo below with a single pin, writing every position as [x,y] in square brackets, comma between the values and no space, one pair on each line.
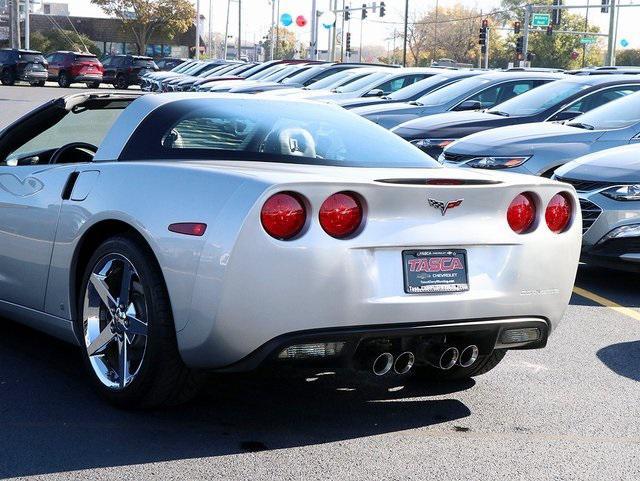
[34,77]
[486,333]
[88,78]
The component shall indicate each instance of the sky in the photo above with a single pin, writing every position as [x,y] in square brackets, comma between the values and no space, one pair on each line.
[257,17]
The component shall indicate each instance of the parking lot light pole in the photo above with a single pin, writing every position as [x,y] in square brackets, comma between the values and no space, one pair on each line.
[406,30]
[611,45]
[27,26]
[197,29]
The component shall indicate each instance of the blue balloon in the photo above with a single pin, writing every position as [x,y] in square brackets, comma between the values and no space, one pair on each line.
[286,19]
[624,42]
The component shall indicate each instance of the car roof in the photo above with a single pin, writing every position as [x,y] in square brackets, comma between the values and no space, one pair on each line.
[21,50]
[521,75]
[602,79]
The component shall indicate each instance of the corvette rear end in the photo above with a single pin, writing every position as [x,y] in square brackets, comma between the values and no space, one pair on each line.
[444,269]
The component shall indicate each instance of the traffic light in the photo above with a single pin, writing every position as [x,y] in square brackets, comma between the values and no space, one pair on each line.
[520,45]
[383,9]
[485,24]
[516,27]
[605,6]
[549,30]
[364,11]
[556,13]
[348,44]
[347,14]
[482,38]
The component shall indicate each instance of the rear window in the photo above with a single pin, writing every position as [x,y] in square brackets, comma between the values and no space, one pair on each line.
[140,62]
[258,130]
[86,58]
[31,57]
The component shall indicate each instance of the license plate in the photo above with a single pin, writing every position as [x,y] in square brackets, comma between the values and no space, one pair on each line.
[435,270]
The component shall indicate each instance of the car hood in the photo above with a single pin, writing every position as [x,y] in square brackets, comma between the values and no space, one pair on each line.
[365,101]
[620,164]
[386,108]
[526,138]
[450,119]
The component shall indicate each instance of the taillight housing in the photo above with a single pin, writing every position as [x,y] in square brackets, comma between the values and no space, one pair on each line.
[283,215]
[341,214]
[558,212]
[521,213]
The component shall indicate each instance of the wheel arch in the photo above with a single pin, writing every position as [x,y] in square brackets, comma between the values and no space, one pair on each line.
[90,240]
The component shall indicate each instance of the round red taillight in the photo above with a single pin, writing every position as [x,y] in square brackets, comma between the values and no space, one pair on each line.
[283,215]
[558,212]
[521,213]
[341,215]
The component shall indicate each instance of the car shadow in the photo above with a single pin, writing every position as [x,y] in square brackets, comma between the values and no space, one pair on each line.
[618,286]
[622,358]
[52,421]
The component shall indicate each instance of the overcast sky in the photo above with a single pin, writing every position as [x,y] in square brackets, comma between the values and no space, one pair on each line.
[257,16]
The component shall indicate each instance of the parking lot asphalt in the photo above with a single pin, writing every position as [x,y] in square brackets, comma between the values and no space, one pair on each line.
[567,412]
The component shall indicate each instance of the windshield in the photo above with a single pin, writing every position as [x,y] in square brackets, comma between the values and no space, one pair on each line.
[267,71]
[259,130]
[621,113]
[364,82]
[31,57]
[193,68]
[86,58]
[425,85]
[144,63]
[334,80]
[273,76]
[540,98]
[301,77]
[453,91]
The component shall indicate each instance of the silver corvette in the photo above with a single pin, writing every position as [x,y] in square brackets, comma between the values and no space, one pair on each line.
[171,235]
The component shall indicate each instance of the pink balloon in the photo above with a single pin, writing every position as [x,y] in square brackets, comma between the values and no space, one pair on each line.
[301,21]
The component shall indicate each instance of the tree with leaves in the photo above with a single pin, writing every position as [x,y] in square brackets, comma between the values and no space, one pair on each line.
[286,44]
[62,40]
[629,57]
[148,18]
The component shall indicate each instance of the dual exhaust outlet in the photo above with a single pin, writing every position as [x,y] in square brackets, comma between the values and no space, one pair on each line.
[443,357]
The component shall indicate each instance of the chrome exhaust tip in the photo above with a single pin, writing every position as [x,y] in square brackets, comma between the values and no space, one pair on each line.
[448,358]
[469,355]
[383,364]
[404,363]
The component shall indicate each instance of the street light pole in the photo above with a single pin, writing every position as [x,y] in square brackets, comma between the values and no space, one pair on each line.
[239,30]
[611,47]
[197,29]
[27,26]
[406,30]
[313,54]
[226,31]
[273,28]
[210,32]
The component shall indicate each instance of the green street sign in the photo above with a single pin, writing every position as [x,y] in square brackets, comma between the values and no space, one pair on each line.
[588,40]
[541,19]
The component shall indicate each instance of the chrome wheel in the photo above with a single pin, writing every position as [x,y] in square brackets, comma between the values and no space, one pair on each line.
[115,326]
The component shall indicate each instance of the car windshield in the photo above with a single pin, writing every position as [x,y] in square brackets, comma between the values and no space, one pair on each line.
[618,114]
[259,130]
[301,77]
[193,68]
[453,91]
[337,79]
[364,82]
[421,86]
[144,63]
[278,74]
[86,58]
[540,98]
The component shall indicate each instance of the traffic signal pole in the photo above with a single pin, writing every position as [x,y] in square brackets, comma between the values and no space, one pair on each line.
[486,48]
[611,45]
[525,35]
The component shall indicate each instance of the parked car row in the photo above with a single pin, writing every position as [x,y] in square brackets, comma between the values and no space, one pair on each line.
[67,68]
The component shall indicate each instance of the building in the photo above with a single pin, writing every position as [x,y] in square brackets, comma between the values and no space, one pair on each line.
[111,37]
[54,8]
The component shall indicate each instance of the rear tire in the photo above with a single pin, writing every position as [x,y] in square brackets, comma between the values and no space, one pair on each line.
[63,80]
[93,85]
[149,344]
[121,82]
[457,373]
[38,84]
[8,78]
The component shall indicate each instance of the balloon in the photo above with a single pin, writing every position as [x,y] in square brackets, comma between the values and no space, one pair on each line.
[624,42]
[327,19]
[301,21]
[286,19]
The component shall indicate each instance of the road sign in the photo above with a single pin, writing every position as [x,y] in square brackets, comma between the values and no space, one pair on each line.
[541,19]
[587,40]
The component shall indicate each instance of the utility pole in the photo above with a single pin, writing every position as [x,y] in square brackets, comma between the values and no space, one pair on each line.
[333,32]
[210,32]
[360,47]
[197,29]
[273,28]
[486,54]
[342,34]
[435,35]
[313,47]
[525,35]
[27,26]
[406,32]
[611,47]
[239,30]
[15,23]
[226,31]
[586,29]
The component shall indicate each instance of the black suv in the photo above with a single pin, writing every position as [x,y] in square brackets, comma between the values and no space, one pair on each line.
[125,70]
[168,63]
[25,65]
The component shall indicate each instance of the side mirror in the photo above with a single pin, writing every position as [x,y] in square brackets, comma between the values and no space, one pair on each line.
[565,115]
[469,105]
[375,93]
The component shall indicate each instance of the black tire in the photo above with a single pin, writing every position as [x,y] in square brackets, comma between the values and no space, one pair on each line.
[93,85]
[38,84]
[163,378]
[63,80]
[8,77]
[121,82]
[457,373]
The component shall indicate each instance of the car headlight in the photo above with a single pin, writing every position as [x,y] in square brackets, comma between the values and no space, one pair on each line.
[631,230]
[623,192]
[496,162]
[429,143]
